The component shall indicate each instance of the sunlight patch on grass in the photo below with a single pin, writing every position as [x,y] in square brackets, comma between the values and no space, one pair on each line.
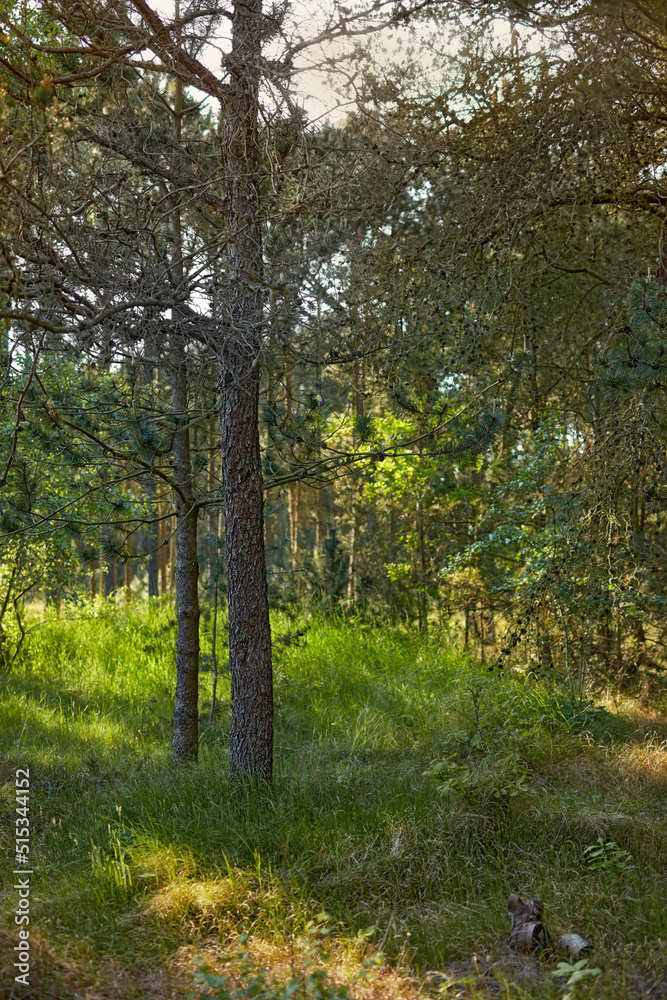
[193,902]
[343,962]
[139,861]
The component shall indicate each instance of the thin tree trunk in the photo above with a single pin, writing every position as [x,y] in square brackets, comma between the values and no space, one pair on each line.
[352,565]
[152,541]
[482,630]
[186,566]
[128,581]
[213,511]
[162,552]
[294,503]
[186,713]
[492,628]
[109,577]
[214,654]
[173,555]
[320,529]
[93,584]
[423,597]
[619,645]
[568,674]
[269,529]
[251,739]
[293,490]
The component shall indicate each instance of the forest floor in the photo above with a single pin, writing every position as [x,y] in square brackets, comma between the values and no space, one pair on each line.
[355,869]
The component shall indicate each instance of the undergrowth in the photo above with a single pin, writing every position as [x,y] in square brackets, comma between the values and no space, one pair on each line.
[413,793]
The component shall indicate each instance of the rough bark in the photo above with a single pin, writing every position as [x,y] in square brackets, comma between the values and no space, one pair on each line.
[186,714]
[251,740]
[185,560]
[172,555]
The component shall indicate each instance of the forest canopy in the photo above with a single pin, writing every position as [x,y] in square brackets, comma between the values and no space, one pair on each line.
[404,363]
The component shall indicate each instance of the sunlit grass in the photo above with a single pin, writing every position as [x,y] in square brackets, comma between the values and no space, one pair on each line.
[141,866]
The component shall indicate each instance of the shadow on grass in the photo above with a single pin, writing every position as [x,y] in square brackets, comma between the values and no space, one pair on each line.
[135,856]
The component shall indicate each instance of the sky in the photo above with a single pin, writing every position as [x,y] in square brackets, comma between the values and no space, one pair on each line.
[330,95]
[313,91]
[317,91]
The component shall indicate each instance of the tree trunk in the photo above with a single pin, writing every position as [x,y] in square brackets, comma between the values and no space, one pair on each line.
[293,490]
[482,631]
[251,740]
[320,529]
[109,577]
[152,541]
[213,511]
[294,503]
[186,562]
[359,404]
[423,597]
[173,555]
[352,564]
[186,714]
[162,538]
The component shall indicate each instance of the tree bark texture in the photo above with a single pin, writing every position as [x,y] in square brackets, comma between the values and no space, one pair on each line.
[186,713]
[251,741]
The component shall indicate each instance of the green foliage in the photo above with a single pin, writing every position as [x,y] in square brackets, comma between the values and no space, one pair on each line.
[607,856]
[499,777]
[364,426]
[637,359]
[486,762]
[577,972]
